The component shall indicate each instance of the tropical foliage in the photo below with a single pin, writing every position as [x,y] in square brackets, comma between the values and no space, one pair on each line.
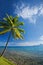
[11,24]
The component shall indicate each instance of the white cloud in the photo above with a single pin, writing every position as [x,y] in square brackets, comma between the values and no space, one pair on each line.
[27,44]
[31,43]
[41,38]
[27,12]
[41,12]
[41,9]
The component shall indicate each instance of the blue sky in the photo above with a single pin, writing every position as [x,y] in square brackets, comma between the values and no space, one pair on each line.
[31,13]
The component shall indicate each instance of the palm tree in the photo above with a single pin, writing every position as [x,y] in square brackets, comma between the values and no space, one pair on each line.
[12,25]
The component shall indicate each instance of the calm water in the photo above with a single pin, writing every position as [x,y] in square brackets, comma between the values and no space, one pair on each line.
[32,50]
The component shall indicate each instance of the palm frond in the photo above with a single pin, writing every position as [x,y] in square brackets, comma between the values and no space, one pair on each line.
[7,20]
[14,34]
[1,26]
[10,20]
[15,19]
[4,31]
[11,17]
[3,23]
[21,30]
[19,24]
[18,34]
[12,24]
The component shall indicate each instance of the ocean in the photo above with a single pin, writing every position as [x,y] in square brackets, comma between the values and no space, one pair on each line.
[24,55]
[25,50]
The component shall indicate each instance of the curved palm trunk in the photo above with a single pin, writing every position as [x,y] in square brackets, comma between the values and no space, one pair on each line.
[6,44]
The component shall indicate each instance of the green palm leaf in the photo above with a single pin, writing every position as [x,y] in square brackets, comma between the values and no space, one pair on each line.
[15,19]
[4,31]
[1,26]
[12,24]
[18,34]
[3,23]
[21,30]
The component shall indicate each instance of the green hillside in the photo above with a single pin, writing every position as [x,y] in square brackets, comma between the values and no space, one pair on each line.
[4,61]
